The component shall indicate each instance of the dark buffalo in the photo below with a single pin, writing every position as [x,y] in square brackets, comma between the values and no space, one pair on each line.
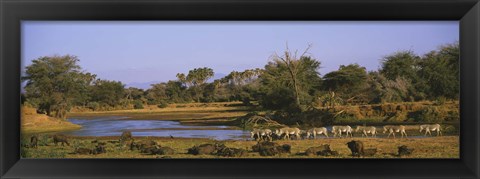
[265,144]
[404,150]
[202,149]
[369,152]
[83,151]
[60,138]
[323,149]
[163,151]
[99,149]
[272,151]
[356,147]
[34,141]
[209,149]
[143,146]
[270,148]
[231,152]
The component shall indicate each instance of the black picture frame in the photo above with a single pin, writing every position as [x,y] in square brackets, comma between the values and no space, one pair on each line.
[12,12]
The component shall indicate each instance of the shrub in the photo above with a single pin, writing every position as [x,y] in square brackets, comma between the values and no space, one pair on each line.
[452,116]
[93,106]
[449,129]
[440,100]
[24,152]
[428,114]
[138,104]
[163,104]
[246,101]
[43,140]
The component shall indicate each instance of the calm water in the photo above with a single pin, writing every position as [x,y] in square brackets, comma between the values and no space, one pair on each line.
[113,126]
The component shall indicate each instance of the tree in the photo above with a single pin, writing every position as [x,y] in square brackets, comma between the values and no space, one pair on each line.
[405,65]
[440,71]
[169,92]
[54,82]
[350,81]
[382,89]
[195,79]
[300,73]
[108,92]
[400,64]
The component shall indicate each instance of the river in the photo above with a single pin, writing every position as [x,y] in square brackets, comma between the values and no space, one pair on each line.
[114,126]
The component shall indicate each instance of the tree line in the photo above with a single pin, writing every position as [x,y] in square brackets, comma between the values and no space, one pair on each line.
[289,82]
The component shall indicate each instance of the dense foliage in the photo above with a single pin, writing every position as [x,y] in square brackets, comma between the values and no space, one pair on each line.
[287,85]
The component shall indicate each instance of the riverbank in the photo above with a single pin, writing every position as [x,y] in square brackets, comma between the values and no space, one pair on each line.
[192,112]
[31,122]
[429,147]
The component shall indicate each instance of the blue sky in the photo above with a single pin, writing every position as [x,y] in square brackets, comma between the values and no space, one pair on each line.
[139,53]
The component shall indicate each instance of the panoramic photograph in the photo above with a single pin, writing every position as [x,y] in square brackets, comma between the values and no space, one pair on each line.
[235,90]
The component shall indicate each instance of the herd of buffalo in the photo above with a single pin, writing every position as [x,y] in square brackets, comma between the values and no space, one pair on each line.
[264,148]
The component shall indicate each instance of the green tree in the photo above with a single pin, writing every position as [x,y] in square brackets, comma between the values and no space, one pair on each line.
[108,92]
[405,65]
[350,81]
[383,90]
[53,84]
[133,93]
[171,92]
[440,71]
[400,64]
[295,67]
[298,73]
[195,79]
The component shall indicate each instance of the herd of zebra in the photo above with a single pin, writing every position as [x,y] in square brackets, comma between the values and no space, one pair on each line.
[288,132]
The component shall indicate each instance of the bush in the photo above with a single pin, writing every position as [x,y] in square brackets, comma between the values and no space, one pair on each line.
[24,153]
[93,106]
[163,104]
[138,104]
[43,140]
[246,101]
[440,100]
[428,114]
[449,129]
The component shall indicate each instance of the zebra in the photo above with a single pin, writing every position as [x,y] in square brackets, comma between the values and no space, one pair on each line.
[261,134]
[288,131]
[340,129]
[315,131]
[367,130]
[392,129]
[433,127]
